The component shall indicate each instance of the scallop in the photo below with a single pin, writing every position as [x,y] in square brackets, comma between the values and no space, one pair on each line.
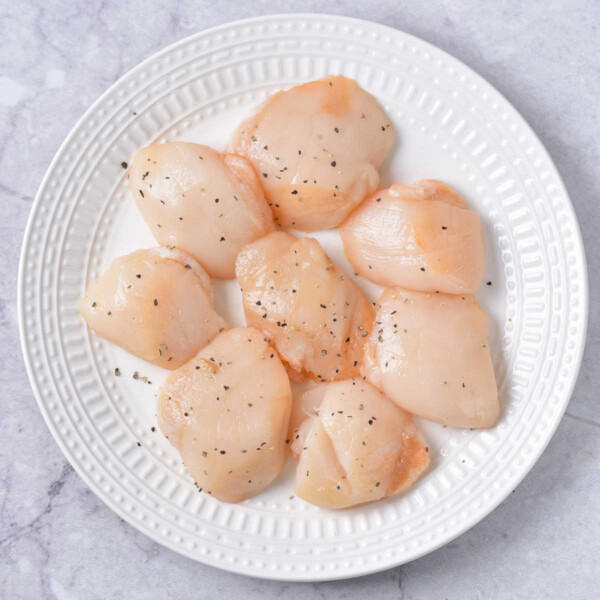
[430,354]
[317,148]
[206,203]
[315,315]
[227,412]
[421,236]
[157,304]
[359,447]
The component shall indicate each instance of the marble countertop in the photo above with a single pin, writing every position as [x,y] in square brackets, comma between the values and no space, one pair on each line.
[57,540]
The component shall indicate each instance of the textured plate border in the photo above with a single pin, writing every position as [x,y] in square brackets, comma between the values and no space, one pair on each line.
[371,560]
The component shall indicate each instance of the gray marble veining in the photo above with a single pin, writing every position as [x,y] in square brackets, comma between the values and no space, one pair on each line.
[57,540]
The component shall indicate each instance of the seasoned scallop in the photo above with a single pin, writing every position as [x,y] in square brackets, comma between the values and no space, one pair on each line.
[227,412]
[316,316]
[156,304]
[317,148]
[430,354]
[421,236]
[358,448]
[200,201]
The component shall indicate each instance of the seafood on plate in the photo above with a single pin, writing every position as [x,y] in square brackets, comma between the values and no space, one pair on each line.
[357,446]
[156,304]
[227,412]
[421,236]
[315,315]
[317,148]
[430,354]
[307,158]
[203,202]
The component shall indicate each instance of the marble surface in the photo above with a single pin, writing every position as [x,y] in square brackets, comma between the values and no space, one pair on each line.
[57,540]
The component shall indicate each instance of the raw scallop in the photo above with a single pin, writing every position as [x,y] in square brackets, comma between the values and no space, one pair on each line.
[420,237]
[316,316]
[156,304]
[227,412]
[317,148]
[430,354]
[206,203]
[360,447]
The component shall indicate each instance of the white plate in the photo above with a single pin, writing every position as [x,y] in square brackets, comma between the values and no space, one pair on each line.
[451,125]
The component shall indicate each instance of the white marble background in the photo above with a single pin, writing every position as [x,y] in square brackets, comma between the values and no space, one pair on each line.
[57,541]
